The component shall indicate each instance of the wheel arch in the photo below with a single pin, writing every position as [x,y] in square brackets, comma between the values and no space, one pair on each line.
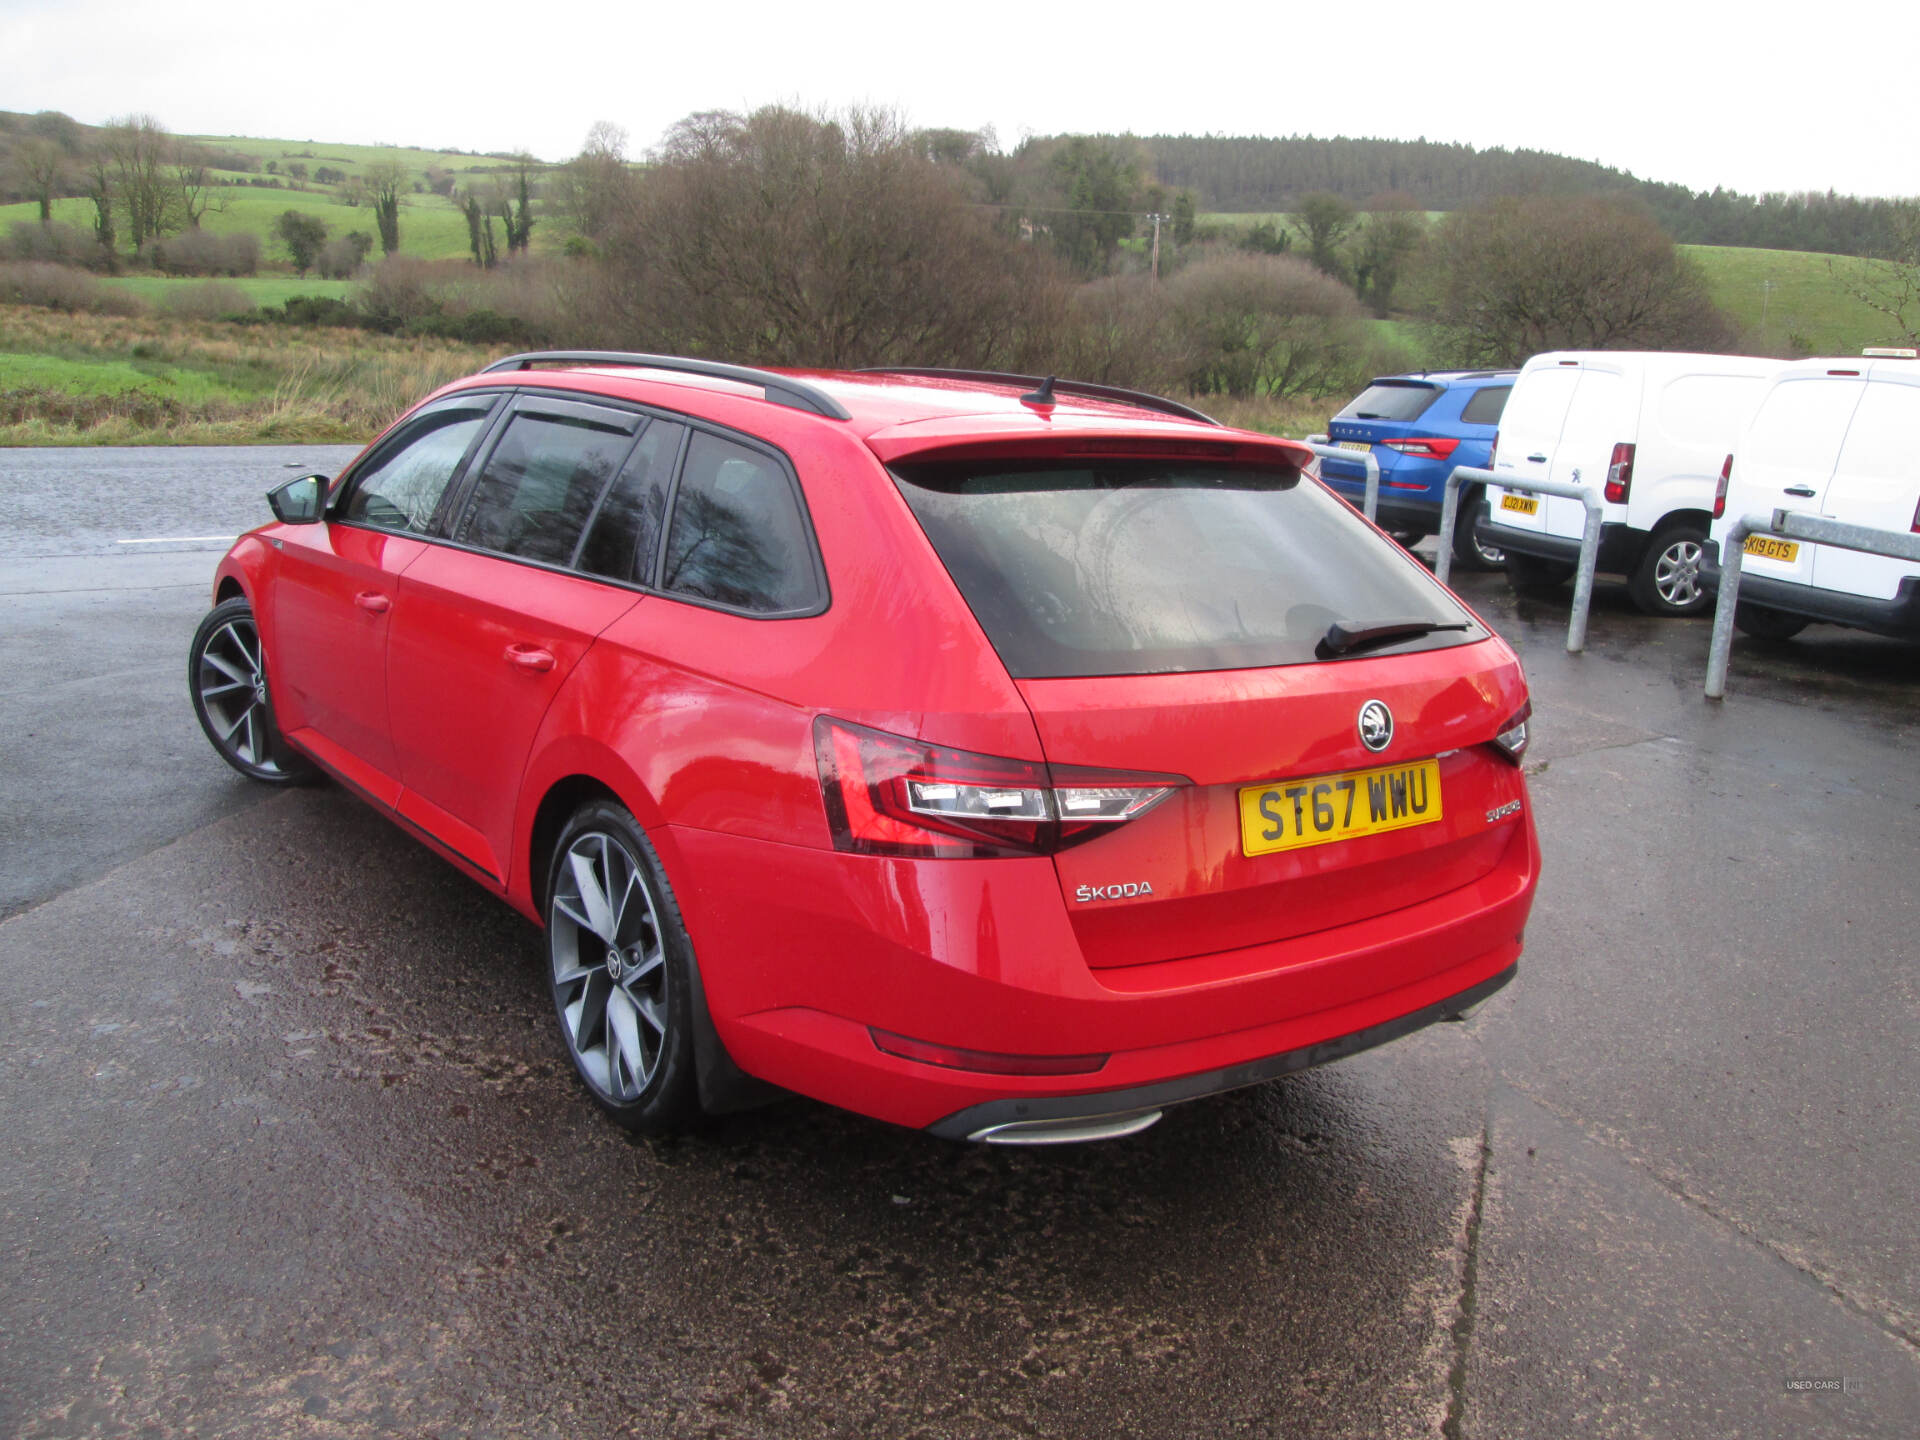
[1701,519]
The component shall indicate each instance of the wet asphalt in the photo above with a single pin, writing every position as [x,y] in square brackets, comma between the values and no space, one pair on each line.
[288,1146]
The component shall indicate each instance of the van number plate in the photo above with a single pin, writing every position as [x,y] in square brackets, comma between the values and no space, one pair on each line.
[1769,548]
[1525,504]
[1291,814]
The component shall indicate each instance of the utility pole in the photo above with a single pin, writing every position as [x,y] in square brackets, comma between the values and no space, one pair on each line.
[1156,246]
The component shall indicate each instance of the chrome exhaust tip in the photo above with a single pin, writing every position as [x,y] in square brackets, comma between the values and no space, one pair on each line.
[1067,1132]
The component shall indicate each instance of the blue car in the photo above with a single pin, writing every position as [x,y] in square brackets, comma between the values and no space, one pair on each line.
[1419,427]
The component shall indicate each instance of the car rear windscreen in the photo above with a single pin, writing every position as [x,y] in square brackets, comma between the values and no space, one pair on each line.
[1391,402]
[1145,567]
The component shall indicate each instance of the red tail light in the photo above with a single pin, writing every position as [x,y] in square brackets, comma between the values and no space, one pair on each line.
[1916,519]
[1493,449]
[1433,447]
[888,795]
[1511,740]
[1620,474]
[1720,490]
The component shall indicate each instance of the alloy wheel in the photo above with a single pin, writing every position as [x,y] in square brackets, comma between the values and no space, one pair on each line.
[1676,575]
[609,966]
[232,684]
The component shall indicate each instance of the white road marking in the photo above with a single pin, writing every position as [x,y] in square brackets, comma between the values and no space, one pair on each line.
[174,539]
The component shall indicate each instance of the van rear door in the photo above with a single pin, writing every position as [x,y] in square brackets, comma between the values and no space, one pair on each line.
[1529,435]
[1604,412]
[1875,483]
[1785,462]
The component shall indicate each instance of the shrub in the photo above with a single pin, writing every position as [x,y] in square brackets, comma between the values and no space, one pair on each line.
[1267,325]
[199,252]
[398,292]
[314,310]
[61,287]
[208,300]
[55,244]
[341,257]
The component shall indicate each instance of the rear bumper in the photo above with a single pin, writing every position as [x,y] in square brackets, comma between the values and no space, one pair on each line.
[1621,546]
[1106,1105]
[981,955]
[1898,617]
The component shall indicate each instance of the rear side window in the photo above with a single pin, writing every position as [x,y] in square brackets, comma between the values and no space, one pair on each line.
[626,532]
[542,481]
[739,537]
[1485,405]
[1387,401]
[1140,567]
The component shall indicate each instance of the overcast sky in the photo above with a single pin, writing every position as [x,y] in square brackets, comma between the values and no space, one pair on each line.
[1748,96]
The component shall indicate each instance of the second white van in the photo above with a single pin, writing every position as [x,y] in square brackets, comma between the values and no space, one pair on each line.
[1644,431]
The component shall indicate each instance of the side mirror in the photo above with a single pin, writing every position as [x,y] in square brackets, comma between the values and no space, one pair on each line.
[299,502]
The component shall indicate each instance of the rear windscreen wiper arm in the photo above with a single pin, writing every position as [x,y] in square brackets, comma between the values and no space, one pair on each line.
[1343,637]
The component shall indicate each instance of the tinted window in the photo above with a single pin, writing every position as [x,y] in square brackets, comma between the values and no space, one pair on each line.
[1384,400]
[626,532]
[402,486]
[1485,406]
[738,536]
[1136,567]
[541,484]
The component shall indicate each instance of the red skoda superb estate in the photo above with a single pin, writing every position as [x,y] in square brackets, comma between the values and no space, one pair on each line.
[1004,758]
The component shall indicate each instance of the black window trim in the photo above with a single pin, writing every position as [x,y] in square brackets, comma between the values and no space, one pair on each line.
[459,490]
[402,435]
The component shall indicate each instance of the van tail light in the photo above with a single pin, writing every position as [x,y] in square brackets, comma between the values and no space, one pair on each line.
[1916,519]
[1432,447]
[889,795]
[1720,490]
[1620,474]
[1511,739]
[1493,449]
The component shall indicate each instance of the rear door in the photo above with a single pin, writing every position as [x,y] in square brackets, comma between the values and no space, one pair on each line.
[1166,619]
[1604,413]
[1388,409]
[1785,462]
[1530,429]
[489,627]
[1875,483]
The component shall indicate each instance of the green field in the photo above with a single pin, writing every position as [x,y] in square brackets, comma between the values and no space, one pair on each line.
[1789,301]
[260,289]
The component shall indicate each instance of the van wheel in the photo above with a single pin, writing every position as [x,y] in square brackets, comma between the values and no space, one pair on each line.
[618,961]
[1764,624]
[1469,552]
[1667,580]
[1532,575]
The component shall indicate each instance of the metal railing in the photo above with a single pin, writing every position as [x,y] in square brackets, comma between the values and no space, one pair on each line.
[1789,525]
[1589,539]
[1320,446]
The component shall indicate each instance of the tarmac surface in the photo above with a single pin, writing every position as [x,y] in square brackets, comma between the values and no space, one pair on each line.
[289,1146]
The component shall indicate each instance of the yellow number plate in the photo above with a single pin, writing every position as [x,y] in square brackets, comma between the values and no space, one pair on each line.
[1525,504]
[1360,445]
[1772,549]
[1290,814]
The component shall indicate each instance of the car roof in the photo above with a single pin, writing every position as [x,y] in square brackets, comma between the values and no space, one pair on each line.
[1442,379]
[898,411]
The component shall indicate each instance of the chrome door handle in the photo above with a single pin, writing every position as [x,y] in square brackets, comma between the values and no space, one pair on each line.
[373,602]
[529,657]
[1805,492]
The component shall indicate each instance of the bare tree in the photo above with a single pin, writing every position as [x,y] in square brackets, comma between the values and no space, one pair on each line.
[1551,273]
[597,188]
[1891,284]
[41,166]
[1267,325]
[99,185]
[785,237]
[141,151]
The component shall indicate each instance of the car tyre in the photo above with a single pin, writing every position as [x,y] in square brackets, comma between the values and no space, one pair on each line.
[619,965]
[227,678]
[1667,579]
[1535,575]
[1765,624]
[1469,551]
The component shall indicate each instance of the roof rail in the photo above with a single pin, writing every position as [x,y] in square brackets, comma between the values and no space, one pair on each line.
[1071,387]
[780,389]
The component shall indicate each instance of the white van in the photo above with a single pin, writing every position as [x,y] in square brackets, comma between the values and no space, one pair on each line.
[1644,431]
[1839,438]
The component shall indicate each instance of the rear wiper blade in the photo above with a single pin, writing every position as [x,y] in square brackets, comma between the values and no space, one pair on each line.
[1343,637]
